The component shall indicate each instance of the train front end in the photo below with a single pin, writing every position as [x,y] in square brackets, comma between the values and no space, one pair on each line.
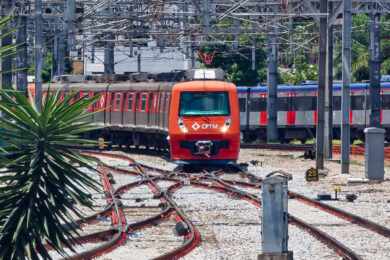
[204,122]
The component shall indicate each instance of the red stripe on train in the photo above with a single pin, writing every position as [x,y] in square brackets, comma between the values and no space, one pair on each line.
[263,118]
[291,115]
[350,117]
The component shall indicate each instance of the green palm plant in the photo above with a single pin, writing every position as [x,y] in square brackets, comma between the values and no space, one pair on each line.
[40,178]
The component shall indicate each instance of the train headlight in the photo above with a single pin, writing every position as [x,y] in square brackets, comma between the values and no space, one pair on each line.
[182,127]
[226,126]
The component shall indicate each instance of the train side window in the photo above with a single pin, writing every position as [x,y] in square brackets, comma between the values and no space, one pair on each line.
[304,103]
[166,102]
[117,102]
[151,102]
[143,101]
[130,101]
[283,103]
[242,102]
[90,107]
[155,102]
[336,103]
[258,104]
[386,102]
[357,102]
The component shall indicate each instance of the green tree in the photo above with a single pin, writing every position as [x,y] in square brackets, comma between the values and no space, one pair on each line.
[40,180]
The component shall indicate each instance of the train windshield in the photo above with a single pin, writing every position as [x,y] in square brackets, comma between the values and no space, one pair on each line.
[204,104]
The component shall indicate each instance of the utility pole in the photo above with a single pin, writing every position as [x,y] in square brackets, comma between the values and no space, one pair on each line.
[321,87]
[109,56]
[253,53]
[61,41]
[6,60]
[21,56]
[345,98]
[70,16]
[329,95]
[206,17]
[38,54]
[272,78]
[375,65]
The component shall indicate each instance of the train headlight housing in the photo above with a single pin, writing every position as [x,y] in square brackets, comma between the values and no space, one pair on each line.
[226,126]
[182,127]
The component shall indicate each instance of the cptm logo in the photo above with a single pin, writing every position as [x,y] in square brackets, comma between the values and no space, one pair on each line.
[196,126]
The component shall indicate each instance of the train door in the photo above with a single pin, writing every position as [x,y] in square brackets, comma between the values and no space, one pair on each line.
[149,109]
[129,109]
[385,111]
[100,107]
[116,108]
[166,110]
[291,112]
[243,99]
[357,114]
[160,109]
[283,104]
[142,117]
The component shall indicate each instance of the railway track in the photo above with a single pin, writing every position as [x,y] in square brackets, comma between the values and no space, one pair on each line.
[163,184]
[354,150]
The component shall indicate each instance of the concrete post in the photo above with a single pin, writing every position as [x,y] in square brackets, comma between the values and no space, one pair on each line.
[6,61]
[272,78]
[70,16]
[321,87]
[374,153]
[21,56]
[109,68]
[329,96]
[61,54]
[375,67]
[274,223]
[345,98]
[253,60]
[206,17]
[38,47]
[139,68]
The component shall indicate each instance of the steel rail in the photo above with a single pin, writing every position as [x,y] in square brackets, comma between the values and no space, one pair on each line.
[192,239]
[227,187]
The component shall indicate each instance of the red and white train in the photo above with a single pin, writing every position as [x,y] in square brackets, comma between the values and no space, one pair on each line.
[297,111]
[198,120]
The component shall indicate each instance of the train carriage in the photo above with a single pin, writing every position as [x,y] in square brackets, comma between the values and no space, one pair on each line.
[149,114]
[297,110]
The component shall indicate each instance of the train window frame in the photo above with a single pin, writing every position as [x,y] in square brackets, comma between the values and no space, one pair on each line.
[242,104]
[155,102]
[91,107]
[357,102]
[131,107]
[167,101]
[226,94]
[149,107]
[142,106]
[285,105]
[385,101]
[161,102]
[336,106]
[118,96]
[304,103]
[258,104]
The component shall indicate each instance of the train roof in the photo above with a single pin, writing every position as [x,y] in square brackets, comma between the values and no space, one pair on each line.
[199,85]
[287,88]
[124,86]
